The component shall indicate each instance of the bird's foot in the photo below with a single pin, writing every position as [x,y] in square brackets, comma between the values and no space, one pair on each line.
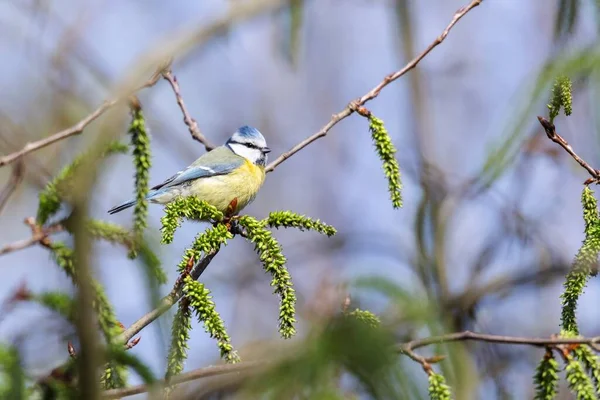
[231,208]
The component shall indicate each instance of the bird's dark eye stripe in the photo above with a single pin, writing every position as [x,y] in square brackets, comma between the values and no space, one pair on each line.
[251,145]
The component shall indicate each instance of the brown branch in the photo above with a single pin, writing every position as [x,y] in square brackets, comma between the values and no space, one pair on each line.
[556,138]
[357,104]
[15,180]
[488,338]
[38,235]
[407,349]
[77,128]
[187,118]
[188,376]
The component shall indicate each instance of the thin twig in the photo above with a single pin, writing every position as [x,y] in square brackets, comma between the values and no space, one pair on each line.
[488,338]
[556,138]
[357,104]
[188,376]
[187,118]
[168,48]
[15,180]
[407,349]
[75,129]
[38,235]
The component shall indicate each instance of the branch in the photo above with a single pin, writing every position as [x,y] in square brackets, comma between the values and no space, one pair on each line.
[488,338]
[188,376]
[15,180]
[404,348]
[166,302]
[187,118]
[556,138]
[38,235]
[357,104]
[77,128]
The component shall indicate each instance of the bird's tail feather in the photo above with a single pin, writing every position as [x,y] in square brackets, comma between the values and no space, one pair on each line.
[121,207]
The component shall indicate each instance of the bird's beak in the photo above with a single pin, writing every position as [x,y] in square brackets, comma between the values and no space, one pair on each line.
[266,150]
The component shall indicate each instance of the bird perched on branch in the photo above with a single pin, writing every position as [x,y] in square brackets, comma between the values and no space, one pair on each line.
[227,177]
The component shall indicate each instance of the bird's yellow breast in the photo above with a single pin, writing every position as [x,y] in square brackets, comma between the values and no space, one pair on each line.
[242,184]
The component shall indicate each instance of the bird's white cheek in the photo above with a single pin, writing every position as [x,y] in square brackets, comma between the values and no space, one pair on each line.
[248,153]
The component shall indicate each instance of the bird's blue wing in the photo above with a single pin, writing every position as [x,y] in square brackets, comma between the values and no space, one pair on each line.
[219,161]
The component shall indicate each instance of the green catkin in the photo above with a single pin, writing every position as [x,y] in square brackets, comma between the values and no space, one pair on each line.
[546,377]
[140,142]
[273,261]
[386,152]
[438,389]
[584,263]
[201,302]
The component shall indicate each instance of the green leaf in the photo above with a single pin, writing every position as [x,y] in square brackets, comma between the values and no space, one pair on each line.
[566,16]
[365,316]
[60,303]
[120,356]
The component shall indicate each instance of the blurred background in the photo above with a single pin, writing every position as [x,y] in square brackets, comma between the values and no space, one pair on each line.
[485,236]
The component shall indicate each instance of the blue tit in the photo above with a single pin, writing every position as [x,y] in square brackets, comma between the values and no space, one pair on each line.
[229,174]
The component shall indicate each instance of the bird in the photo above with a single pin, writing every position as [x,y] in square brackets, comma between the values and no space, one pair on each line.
[228,177]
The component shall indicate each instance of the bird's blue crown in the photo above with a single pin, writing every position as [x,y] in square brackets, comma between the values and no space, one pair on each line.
[248,135]
[249,132]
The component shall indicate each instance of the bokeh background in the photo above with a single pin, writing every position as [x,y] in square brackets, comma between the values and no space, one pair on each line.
[487,241]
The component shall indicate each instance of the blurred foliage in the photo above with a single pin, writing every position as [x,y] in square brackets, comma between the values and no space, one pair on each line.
[122,357]
[566,16]
[61,303]
[292,43]
[365,316]
[12,376]
[51,198]
[362,351]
